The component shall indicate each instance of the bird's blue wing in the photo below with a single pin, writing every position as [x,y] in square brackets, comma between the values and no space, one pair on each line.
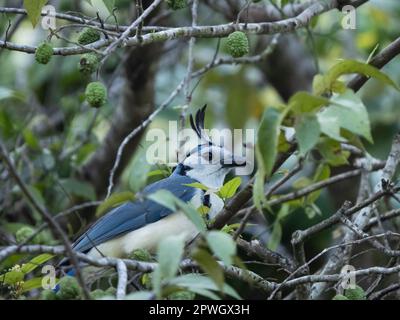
[134,215]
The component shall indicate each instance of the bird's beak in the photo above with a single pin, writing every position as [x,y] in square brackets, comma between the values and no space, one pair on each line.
[234,161]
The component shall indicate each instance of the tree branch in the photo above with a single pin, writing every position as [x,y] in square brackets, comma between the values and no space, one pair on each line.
[223,30]
[380,60]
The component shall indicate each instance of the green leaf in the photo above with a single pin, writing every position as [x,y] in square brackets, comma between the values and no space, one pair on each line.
[114,200]
[230,228]
[301,182]
[332,152]
[34,9]
[164,198]
[85,152]
[31,284]
[37,195]
[307,132]
[193,215]
[30,139]
[158,172]
[324,83]
[139,169]
[228,190]
[168,200]
[209,265]
[276,236]
[330,126]
[205,293]
[47,160]
[304,102]
[197,185]
[371,55]
[6,93]
[351,114]
[323,172]
[7,125]
[266,151]
[312,210]
[222,245]
[203,210]
[36,262]
[169,255]
[194,282]
[109,4]
[12,277]
[79,188]
[283,212]
[268,136]
[259,198]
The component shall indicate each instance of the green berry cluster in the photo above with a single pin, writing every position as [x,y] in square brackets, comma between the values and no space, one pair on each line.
[88,35]
[68,290]
[25,232]
[356,293]
[237,44]
[96,94]
[89,63]
[43,53]
[177,4]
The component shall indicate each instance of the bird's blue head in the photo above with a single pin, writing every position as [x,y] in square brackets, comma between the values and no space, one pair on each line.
[208,163]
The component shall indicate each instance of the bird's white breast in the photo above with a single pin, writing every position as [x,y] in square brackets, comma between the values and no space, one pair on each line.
[147,237]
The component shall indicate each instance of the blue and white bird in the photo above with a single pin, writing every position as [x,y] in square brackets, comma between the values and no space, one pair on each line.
[142,224]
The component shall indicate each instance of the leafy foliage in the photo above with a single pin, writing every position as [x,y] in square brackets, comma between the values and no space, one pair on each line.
[34,8]
[54,136]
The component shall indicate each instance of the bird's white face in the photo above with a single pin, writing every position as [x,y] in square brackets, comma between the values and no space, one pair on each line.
[209,164]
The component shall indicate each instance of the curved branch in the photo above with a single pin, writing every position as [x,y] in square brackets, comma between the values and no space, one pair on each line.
[380,60]
[223,30]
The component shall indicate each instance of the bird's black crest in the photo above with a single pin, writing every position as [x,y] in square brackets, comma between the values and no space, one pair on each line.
[197,123]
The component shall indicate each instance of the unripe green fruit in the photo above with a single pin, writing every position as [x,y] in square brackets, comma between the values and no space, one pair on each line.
[89,63]
[69,288]
[355,294]
[177,4]
[23,234]
[48,295]
[26,232]
[96,94]
[140,255]
[340,297]
[43,53]
[237,44]
[88,35]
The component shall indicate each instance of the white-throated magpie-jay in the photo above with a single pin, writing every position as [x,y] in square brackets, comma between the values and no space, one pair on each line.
[142,224]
